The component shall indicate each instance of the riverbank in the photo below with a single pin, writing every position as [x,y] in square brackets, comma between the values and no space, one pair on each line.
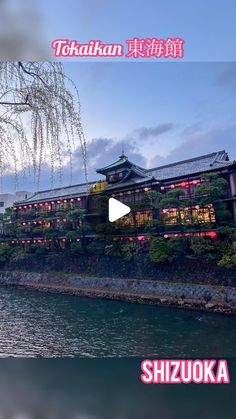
[183,295]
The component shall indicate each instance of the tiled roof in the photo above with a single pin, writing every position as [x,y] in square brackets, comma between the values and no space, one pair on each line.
[180,169]
[123,161]
[134,181]
[58,193]
[118,163]
[193,166]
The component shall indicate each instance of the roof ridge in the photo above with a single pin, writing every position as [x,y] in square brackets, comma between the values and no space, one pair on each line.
[186,161]
[121,159]
[64,187]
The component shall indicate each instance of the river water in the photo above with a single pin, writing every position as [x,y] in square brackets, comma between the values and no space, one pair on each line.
[37,324]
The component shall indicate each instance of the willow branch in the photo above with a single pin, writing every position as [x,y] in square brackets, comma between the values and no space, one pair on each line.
[32,74]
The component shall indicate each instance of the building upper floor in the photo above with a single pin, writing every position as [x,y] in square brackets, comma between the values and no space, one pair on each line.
[128,182]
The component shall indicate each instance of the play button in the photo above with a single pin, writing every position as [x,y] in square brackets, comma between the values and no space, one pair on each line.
[117,210]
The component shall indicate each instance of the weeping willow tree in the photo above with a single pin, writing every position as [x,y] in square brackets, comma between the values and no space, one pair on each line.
[40,118]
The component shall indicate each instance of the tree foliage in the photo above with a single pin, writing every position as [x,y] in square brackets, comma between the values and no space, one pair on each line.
[160,252]
[201,245]
[39,117]
[212,191]
[5,252]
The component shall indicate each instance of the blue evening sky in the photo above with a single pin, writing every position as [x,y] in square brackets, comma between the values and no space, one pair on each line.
[208,27]
[168,111]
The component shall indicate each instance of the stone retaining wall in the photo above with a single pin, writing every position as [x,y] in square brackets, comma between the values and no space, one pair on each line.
[196,296]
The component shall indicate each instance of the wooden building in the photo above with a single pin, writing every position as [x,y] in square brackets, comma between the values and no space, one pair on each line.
[130,184]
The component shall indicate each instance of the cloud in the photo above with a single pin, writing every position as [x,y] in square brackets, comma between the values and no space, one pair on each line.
[193,141]
[100,152]
[149,132]
[197,141]
[103,151]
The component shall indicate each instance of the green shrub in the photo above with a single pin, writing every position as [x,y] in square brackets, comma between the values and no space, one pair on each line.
[227,233]
[126,252]
[37,249]
[60,214]
[202,245]
[71,235]
[5,252]
[76,248]
[160,251]
[178,246]
[228,259]
[96,247]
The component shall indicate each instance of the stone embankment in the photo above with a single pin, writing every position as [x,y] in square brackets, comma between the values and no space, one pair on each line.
[192,296]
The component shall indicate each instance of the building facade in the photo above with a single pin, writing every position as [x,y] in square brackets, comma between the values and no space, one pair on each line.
[7,200]
[131,184]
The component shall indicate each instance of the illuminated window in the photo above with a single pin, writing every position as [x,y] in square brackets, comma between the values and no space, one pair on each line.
[204,215]
[143,217]
[139,218]
[191,215]
[170,216]
[127,220]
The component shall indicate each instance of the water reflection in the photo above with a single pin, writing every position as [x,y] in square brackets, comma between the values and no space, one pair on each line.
[49,325]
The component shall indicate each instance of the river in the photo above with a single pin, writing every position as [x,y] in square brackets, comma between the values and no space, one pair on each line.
[37,324]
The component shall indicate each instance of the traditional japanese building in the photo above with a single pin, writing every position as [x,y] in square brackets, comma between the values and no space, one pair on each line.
[130,183]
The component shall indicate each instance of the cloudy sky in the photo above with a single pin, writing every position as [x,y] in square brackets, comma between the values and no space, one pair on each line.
[160,111]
